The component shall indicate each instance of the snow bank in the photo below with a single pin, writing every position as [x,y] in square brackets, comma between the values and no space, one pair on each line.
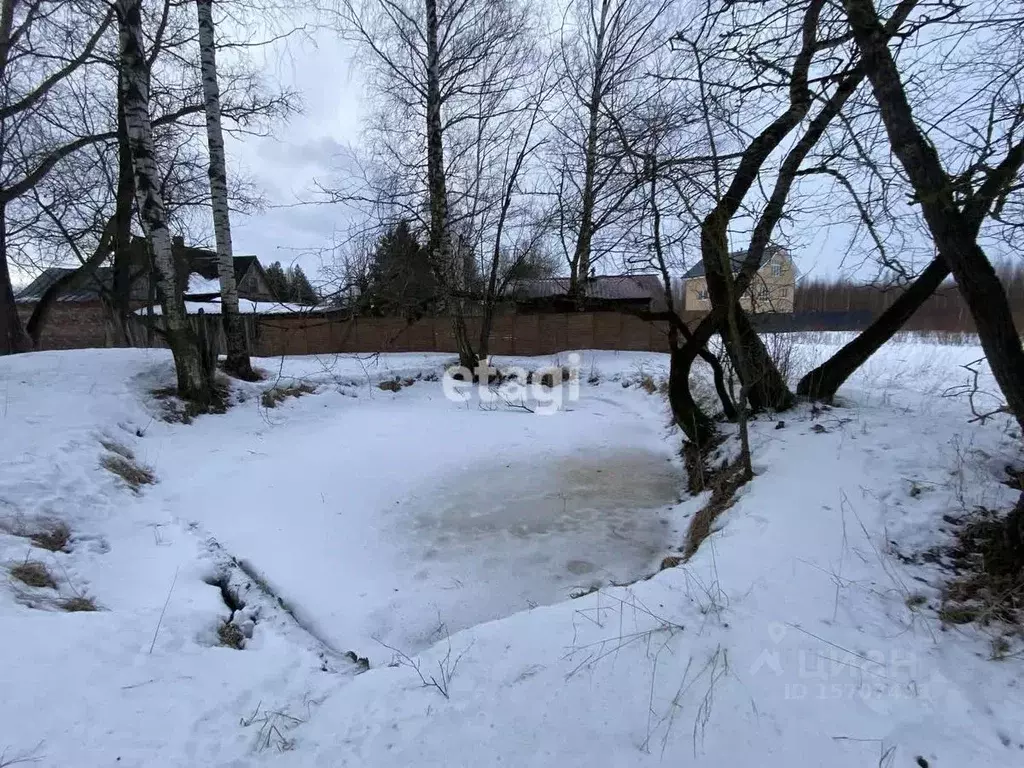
[410,528]
[245,306]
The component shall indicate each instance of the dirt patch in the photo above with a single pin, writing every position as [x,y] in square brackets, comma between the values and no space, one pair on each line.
[33,573]
[54,537]
[51,535]
[133,474]
[723,483]
[174,410]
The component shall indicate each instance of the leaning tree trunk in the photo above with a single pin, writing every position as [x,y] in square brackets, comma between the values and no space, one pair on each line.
[954,232]
[237,363]
[950,228]
[445,263]
[824,381]
[195,381]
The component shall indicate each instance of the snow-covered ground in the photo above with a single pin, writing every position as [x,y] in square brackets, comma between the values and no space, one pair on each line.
[444,541]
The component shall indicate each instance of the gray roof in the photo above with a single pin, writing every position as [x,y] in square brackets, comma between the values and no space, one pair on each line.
[102,281]
[604,287]
[737,258]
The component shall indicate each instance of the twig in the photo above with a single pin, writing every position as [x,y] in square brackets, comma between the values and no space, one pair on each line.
[163,611]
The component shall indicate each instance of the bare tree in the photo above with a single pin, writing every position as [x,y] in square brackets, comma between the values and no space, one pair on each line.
[604,48]
[980,131]
[954,230]
[452,80]
[40,50]
[195,374]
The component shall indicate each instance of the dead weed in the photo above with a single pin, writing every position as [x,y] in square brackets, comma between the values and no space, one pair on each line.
[33,574]
[78,604]
[985,586]
[134,475]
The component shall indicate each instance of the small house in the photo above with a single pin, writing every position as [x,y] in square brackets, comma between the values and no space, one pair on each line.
[771,290]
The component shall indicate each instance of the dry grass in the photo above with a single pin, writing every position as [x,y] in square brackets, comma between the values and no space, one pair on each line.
[134,475]
[78,604]
[231,636]
[121,450]
[393,385]
[985,586]
[33,574]
[647,385]
[275,395]
[54,537]
[723,483]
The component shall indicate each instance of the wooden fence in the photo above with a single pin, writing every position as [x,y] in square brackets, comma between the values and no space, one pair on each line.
[511,334]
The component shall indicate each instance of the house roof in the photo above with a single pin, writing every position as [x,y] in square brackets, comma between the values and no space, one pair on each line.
[737,258]
[601,287]
[203,262]
[102,280]
[200,262]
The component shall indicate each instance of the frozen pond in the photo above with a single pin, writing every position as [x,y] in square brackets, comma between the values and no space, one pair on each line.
[393,518]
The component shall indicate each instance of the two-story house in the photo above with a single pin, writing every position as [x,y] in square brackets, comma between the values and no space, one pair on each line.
[771,290]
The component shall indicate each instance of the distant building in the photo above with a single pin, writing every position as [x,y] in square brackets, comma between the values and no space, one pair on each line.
[79,318]
[771,290]
[602,292]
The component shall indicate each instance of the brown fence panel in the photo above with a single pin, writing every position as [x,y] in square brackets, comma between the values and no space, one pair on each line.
[503,335]
[527,334]
[607,330]
[580,330]
[636,334]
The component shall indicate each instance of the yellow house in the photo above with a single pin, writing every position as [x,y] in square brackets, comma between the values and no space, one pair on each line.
[771,290]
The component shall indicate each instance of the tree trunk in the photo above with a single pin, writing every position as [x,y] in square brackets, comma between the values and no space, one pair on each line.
[758,374]
[237,363]
[194,380]
[123,207]
[686,413]
[950,228]
[824,381]
[68,282]
[580,267]
[446,265]
[13,338]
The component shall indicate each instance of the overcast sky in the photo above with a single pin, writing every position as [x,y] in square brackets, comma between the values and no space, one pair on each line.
[302,152]
[306,150]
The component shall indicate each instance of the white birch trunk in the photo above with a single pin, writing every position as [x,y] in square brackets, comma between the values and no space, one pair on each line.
[194,380]
[237,353]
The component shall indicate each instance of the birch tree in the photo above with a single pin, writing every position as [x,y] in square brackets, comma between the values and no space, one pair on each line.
[237,363]
[448,74]
[195,377]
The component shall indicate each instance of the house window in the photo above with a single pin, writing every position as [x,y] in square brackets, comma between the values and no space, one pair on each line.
[702,295]
[776,269]
[763,292]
